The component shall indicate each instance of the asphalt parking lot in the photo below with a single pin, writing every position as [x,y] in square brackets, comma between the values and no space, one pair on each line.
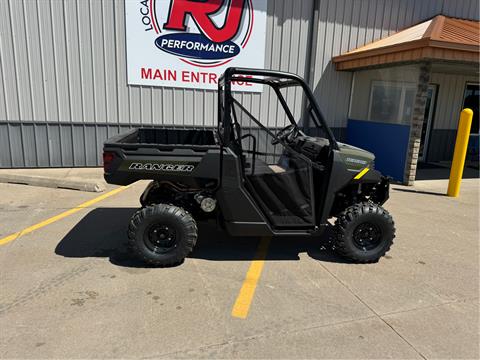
[70,290]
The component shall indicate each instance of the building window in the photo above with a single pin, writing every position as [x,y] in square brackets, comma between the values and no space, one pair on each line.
[472,94]
[391,102]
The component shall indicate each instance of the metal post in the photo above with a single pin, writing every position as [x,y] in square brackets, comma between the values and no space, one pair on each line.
[460,152]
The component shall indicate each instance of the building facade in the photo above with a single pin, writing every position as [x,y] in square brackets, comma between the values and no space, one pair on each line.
[64,84]
[399,83]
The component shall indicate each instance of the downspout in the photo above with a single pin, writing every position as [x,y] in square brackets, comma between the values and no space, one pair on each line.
[309,75]
[312,44]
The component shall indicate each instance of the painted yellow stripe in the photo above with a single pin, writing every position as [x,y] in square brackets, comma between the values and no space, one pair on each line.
[361,173]
[245,297]
[44,223]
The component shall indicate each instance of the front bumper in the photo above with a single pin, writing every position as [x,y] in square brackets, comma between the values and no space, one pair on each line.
[381,191]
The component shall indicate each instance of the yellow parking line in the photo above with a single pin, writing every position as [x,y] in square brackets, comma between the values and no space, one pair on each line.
[244,299]
[44,223]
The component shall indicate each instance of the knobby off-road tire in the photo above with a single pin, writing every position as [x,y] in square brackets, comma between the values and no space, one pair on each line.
[162,235]
[364,232]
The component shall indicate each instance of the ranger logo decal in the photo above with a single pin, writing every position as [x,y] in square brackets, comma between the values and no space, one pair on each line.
[355,161]
[162,167]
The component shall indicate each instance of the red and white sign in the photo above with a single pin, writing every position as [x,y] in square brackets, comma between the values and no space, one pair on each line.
[190,43]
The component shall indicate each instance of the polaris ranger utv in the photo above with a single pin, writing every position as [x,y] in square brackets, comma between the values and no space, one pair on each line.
[282,174]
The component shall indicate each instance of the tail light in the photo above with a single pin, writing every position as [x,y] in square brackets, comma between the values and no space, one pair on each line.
[107,160]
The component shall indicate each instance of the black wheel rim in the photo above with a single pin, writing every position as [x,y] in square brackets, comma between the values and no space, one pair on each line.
[160,239]
[367,236]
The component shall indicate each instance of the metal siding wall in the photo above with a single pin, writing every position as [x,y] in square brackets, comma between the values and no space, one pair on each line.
[63,71]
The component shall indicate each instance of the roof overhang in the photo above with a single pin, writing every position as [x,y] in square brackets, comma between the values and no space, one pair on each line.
[438,39]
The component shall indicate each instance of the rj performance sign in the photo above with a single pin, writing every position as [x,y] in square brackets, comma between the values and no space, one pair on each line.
[190,43]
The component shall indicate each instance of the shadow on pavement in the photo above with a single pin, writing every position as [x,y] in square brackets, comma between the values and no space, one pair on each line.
[102,233]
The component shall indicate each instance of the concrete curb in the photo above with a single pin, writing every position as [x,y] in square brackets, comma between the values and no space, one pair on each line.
[52,182]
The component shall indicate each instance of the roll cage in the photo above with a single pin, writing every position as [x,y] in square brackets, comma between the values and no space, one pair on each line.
[277,80]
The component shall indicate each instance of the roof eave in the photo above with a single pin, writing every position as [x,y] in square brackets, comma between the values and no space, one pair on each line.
[415,44]
[426,50]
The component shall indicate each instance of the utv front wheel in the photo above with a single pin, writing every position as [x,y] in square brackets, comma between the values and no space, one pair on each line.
[162,235]
[364,232]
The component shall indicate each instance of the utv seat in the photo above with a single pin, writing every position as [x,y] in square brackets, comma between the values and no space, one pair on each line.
[261,168]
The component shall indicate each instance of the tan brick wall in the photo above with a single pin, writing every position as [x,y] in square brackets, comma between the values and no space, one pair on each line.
[417,124]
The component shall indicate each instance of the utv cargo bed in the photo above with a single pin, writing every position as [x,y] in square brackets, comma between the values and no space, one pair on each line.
[164,138]
[169,153]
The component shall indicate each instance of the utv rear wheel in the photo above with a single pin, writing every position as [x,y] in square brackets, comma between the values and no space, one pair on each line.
[162,235]
[364,232]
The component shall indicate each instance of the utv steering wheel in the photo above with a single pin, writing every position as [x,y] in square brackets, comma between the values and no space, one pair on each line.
[288,133]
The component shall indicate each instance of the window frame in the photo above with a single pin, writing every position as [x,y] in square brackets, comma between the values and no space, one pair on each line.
[404,85]
[463,102]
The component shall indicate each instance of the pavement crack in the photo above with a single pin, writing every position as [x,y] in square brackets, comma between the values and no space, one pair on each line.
[203,348]
[373,311]
[44,287]
[430,306]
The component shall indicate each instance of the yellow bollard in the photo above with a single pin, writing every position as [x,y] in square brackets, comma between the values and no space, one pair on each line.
[460,152]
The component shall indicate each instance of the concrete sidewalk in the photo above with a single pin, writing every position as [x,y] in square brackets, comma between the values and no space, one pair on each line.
[83,179]
[438,186]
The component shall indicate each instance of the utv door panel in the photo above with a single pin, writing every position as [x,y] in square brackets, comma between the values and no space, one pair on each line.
[278,179]
[284,197]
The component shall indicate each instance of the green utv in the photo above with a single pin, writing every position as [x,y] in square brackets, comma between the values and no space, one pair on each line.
[285,178]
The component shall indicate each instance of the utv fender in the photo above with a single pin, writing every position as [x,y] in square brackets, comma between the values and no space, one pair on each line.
[381,189]
[146,193]
[371,176]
